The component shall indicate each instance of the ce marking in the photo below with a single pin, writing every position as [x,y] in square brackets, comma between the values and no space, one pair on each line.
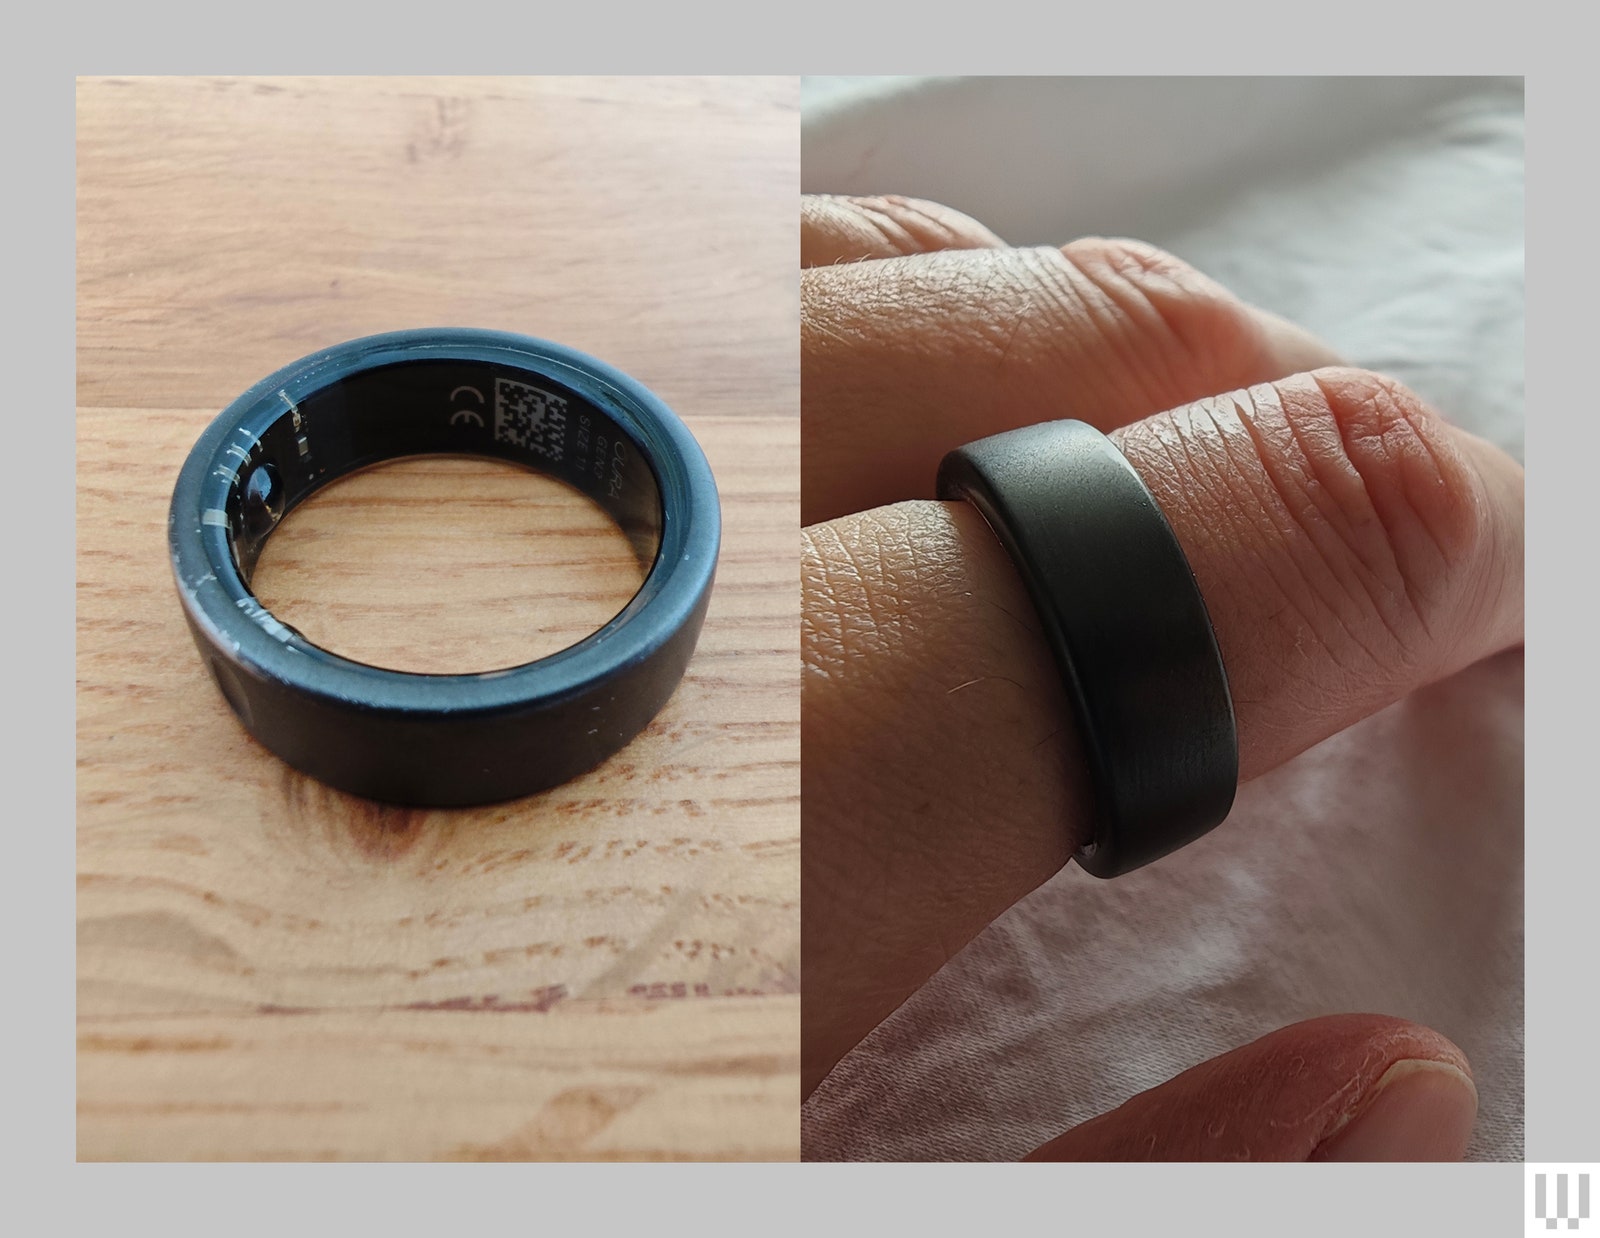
[461,413]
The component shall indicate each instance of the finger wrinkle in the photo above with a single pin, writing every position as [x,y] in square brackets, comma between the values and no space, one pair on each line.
[1335,512]
[903,226]
[1320,553]
[1259,526]
[1185,323]
[1095,338]
[1312,566]
[1143,340]
[1426,501]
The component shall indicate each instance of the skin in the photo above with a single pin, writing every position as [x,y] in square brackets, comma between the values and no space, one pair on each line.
[1351,546]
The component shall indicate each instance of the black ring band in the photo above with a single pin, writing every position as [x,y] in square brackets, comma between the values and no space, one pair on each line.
[1129,630]
[443,740]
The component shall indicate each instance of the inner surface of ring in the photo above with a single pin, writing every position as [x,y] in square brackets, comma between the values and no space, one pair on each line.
[439,407]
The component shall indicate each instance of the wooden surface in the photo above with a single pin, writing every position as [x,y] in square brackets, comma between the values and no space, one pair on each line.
[271,969]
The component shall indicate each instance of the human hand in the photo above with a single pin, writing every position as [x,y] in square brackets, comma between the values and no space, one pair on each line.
[1351,547]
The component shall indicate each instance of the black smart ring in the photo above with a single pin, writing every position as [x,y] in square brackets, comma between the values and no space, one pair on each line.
[1123,615]
[445,740]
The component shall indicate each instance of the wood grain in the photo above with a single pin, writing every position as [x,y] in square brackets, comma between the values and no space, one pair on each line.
[530,564]
[269,969]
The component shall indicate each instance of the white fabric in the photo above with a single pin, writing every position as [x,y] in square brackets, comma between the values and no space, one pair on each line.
[1381,871]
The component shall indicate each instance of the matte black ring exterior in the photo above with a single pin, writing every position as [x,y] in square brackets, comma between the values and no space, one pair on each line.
[1123,615]
[443,740]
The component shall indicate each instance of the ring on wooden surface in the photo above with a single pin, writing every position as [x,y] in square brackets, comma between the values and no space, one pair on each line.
[445,740]
[1123,615]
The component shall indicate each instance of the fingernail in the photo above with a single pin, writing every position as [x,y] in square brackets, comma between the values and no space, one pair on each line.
[1418,1111]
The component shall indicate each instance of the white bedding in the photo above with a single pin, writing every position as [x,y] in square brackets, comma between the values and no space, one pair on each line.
[1381,871]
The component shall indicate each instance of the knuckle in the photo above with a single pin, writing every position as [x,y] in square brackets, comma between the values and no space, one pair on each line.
[1406,510]
[1169,313]
[913,226]
[1419,485]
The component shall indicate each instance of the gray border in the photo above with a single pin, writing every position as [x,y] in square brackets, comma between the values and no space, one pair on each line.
[1563,849]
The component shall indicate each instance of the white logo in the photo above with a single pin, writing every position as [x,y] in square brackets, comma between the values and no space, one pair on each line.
[467,414]
[1558,1198]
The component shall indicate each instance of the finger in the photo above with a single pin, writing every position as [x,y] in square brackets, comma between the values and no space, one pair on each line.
[903,360]
[835,229]
[1350,545]
[1344,1088]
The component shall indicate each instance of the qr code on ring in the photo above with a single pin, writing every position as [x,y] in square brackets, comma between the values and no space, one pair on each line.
[529,418]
